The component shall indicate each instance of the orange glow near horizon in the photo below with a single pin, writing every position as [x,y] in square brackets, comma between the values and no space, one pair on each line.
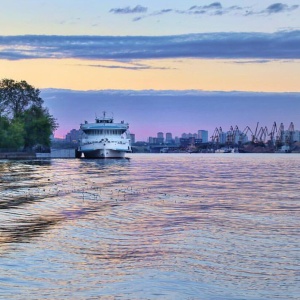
[166,74]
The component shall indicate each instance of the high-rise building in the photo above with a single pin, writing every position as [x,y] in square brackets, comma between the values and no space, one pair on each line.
[73,136]
[222,137]
[160,135]
[132,138]
[203,135]
[169,138]
[160,138]
[296,136]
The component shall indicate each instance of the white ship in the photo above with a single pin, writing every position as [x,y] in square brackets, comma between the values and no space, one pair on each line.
[104,138]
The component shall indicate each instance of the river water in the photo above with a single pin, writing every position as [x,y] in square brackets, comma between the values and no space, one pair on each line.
[155,226]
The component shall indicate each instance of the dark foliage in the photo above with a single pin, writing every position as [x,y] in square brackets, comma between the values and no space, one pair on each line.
[24,122]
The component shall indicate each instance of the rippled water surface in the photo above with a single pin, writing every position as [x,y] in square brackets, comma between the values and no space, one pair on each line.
[155,226]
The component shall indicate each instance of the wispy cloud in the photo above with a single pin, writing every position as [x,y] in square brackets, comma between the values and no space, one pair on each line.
[217,9]
[129,10]
[275,8]
[280,45]
[254,61]
[132,66]
[214,8]
[156,13]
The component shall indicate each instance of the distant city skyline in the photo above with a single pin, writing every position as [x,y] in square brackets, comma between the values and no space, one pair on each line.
[169,137]
[149,112]
[278,133]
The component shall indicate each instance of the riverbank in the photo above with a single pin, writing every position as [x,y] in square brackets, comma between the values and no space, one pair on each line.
[17,155]
[55,153]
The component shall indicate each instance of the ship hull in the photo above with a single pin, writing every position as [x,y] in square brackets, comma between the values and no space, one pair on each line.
[104,153]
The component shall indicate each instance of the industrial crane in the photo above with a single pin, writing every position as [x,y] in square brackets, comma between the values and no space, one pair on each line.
[262,135]
[243,135]
[230,136]
[279,137]
[272,134]
[215,138]
[254,136]
[289,137]
[216,135]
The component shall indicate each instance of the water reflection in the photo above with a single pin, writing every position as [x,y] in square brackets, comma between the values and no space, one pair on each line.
[153,225]
[25,231]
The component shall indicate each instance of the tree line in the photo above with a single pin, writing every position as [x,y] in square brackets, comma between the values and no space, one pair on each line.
[24,122]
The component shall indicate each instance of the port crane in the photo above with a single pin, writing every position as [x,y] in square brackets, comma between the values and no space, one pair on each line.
[262,135]
[280,134]
[272,134]
[289,136]
[215,138]
[244,134]
[254,136]
[230,136]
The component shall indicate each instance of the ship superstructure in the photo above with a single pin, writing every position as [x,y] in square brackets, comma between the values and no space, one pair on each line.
[104,138]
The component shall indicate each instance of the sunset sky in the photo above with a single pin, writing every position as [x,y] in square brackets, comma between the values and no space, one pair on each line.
[167,65]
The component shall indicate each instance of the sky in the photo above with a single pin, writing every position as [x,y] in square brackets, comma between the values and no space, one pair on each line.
[172,66]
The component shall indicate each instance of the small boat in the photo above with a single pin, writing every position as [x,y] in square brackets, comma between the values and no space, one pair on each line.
[224,150]
[104,138]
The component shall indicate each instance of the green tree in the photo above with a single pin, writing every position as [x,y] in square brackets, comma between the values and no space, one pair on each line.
[38,126]
[4,127]
[11,133]
[17,96]
[24,122]
[16,134]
